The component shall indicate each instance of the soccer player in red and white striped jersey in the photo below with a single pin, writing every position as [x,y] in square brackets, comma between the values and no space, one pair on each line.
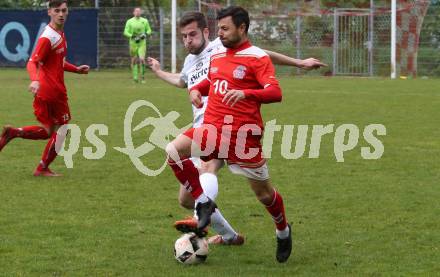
[241,77]
[46,70]
[195,33]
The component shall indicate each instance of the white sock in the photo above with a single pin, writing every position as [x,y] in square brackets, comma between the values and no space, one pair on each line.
[221,226]
[283,233]
[201,199]
[209,184]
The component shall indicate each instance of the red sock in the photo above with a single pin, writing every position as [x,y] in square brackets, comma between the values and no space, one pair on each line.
[188,176]
[31,132]
[276,209]
[49,153]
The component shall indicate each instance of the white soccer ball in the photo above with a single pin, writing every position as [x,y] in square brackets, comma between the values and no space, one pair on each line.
[191,249]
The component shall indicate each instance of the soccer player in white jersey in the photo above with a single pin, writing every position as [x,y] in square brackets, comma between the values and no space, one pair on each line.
[195,33]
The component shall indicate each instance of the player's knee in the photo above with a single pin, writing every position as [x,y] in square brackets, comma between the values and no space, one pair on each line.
[212,166]
[52,129]
[208,168]
[264,196]
[186,202]
[266,199]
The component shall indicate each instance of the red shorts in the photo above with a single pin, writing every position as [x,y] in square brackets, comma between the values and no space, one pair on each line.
[51,113]
[236,148]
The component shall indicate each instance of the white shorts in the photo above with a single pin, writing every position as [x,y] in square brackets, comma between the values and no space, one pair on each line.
[256,173]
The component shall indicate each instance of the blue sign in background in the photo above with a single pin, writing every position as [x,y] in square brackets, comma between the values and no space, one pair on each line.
[19,30]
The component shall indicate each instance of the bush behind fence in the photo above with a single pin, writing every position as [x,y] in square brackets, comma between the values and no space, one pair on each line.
[306,35]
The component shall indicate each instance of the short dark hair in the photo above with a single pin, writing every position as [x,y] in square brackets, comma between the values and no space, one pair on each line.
[56,3]
[238,14]
[190,17]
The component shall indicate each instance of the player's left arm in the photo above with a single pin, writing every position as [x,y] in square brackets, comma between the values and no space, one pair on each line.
[148,30]
[265,75]
[82,69]
[280,59]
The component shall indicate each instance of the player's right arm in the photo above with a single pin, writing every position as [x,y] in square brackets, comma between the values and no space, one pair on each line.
[196,92]
[171,78]
[128,32]
[33,66]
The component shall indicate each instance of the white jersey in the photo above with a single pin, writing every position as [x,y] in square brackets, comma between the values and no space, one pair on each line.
[195,69]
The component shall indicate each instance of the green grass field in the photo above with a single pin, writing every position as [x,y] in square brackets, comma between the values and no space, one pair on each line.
[104,218]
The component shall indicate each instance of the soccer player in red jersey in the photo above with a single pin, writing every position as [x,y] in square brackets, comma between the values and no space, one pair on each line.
[195,33]
[46,70]
[241,77]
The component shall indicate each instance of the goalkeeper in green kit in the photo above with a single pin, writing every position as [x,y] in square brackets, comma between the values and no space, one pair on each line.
[137,29]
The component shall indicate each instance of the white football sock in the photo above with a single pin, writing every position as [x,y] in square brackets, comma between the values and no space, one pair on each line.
[283,233]
[209,184]
[221,226]
[201,199]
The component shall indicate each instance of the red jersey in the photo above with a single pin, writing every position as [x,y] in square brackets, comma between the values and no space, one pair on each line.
[246,68]
[48,63]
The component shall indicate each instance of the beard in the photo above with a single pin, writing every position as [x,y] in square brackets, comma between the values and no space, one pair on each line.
[232,42]
[200,48]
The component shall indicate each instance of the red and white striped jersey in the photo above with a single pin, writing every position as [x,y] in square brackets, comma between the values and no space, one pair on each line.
[50,54]
[246,68]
